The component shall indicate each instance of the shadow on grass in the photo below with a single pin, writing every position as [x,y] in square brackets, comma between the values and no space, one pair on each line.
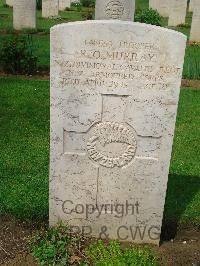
[180,195]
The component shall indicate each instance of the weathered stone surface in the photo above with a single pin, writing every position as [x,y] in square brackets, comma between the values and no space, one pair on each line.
[195,27]
[114,95]
[63,4]
[115,9]
[177,12]
[49,8]
[9,2]
[24,14]
[191,5]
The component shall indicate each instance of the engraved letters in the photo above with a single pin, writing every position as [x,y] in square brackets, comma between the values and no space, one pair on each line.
[127,62]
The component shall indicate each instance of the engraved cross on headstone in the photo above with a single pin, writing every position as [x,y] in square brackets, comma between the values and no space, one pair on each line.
[93,142]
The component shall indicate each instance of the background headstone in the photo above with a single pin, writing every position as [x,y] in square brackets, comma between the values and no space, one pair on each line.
[114,95]
[163,7]
[191,3]
[177,12]
[24,14]
[195,27]
[49,8]
[63,4]
[153,4]
[9,2]
[75,1]
[115,9]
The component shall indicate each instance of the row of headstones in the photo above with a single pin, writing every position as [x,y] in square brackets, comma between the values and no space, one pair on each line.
[176,11]
[24,13]
[50,7]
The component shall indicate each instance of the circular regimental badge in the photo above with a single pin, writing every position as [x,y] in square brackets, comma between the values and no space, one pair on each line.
[114,9]
[111,144]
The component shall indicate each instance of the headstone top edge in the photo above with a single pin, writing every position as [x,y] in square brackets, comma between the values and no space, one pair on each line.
[113,22]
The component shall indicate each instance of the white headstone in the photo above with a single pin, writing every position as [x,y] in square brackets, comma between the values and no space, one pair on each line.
[191,3]
[9,2]
[153,4]
[63,4]
[115,9]
[114,96]
[24,14]
[163,7]
[49,8]
[195,27]
[177,12]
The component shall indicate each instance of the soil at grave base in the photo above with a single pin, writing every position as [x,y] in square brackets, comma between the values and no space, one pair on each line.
[190,83]
[16,32]
[183,250]
[42,75]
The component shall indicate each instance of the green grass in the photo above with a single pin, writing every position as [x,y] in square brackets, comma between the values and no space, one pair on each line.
[183,196]
[191,69]
[24,157]
[24,120]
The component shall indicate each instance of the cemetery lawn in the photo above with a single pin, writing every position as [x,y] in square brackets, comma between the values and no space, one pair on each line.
[24,157]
